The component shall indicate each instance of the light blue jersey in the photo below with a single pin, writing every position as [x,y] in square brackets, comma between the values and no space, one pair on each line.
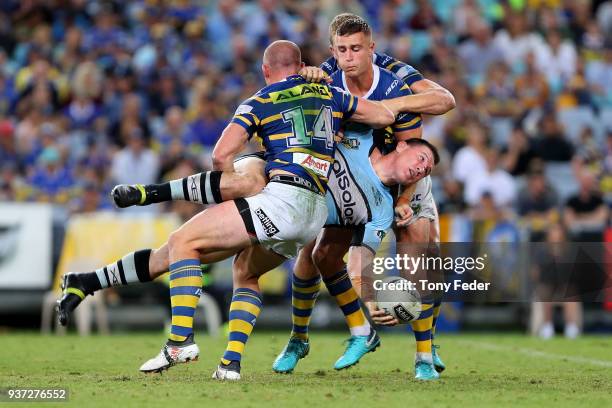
[356,197]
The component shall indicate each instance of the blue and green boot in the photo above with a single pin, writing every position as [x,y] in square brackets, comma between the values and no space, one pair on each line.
[357,347]
[295,350]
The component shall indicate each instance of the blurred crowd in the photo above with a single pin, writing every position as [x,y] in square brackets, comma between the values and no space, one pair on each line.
[95,93]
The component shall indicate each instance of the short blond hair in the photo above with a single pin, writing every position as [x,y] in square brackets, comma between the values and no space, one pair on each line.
[341,20]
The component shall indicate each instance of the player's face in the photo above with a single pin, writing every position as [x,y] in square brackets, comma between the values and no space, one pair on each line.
[353,53]
[414,163]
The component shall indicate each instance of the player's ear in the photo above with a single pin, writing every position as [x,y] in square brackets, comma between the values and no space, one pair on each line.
[401,146]
[265,69]
[302,64]
[372,45]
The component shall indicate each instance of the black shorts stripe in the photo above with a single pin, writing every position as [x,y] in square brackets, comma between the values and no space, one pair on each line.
[358,235]
[185,189]
[215,185]
[121,273]
[108,283]
[245,213]
[257,155]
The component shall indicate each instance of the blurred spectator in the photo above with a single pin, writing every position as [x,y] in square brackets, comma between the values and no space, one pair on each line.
[51,178]
[470,160]
[424,16]
[515,40]
[557,59]
[467,19]
[479,52]
[599,76]
[532,87]
[555,281]
[452,202]
[517,157]
[494,181]
[550,144]
[585,213]
[538,203]
[135,163]
[132,115]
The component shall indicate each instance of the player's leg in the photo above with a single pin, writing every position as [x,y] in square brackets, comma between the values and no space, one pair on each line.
[413,240]
[364,338]
[248,266]
[432,252]
[305,286]
[140,266]
[208,187]
[218,228]
[328,258]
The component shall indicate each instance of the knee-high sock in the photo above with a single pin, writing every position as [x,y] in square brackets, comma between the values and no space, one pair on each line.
[436,312]
[245,307]
[134,267]
[341,288]
[185,289]
[422,331]
[203,188]
[304,294]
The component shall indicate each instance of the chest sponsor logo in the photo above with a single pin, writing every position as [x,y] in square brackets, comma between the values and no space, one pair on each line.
[346,196]
[319,166]
[269,228]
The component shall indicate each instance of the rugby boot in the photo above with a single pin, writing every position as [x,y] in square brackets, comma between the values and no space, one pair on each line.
[425,371]
[73,293]
[437,361]
[295,350]
[229,372]
[127,195]
[171,354]
[357,347]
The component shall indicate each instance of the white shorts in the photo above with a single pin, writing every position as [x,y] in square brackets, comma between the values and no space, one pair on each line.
[283,217]
[422,202]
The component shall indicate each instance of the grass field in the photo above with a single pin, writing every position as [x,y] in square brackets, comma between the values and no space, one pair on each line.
[483,370]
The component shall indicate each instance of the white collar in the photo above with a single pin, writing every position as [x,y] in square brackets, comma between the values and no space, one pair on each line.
[374,82]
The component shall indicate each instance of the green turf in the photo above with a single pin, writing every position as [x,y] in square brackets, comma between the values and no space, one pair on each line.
[483,370]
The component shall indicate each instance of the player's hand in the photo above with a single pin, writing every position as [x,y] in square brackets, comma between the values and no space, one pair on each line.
[403,214]
[314,74]
[339,135]
[379,316]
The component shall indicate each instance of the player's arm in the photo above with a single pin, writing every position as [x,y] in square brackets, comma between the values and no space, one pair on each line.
[232,141]
[373,113]
[235,136]
[428,96]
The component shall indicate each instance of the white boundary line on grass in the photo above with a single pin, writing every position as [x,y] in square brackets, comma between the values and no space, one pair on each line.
[540,354]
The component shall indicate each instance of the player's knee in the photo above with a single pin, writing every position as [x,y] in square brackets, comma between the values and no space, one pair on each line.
[178,240]
[325,260]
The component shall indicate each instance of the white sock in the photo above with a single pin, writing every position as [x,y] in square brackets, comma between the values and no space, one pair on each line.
[362,330]
[571,331]
[427,357]
[547,331]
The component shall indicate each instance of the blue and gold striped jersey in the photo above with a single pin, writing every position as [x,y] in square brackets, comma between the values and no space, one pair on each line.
[296,121]
[406,72]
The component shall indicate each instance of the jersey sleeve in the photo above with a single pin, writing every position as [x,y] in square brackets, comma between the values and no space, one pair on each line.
[406,72]
[344,102]
[329,66]
[246,116]
[404,121]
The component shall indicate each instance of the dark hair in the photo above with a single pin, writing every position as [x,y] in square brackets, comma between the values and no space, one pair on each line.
[352,25]
[422,142]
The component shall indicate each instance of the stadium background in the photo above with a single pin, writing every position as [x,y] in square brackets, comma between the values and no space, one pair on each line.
[96,93]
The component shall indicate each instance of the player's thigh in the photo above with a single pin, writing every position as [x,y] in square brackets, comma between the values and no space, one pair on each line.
[329,251]
[252,262]
[304,265]
[218,228]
